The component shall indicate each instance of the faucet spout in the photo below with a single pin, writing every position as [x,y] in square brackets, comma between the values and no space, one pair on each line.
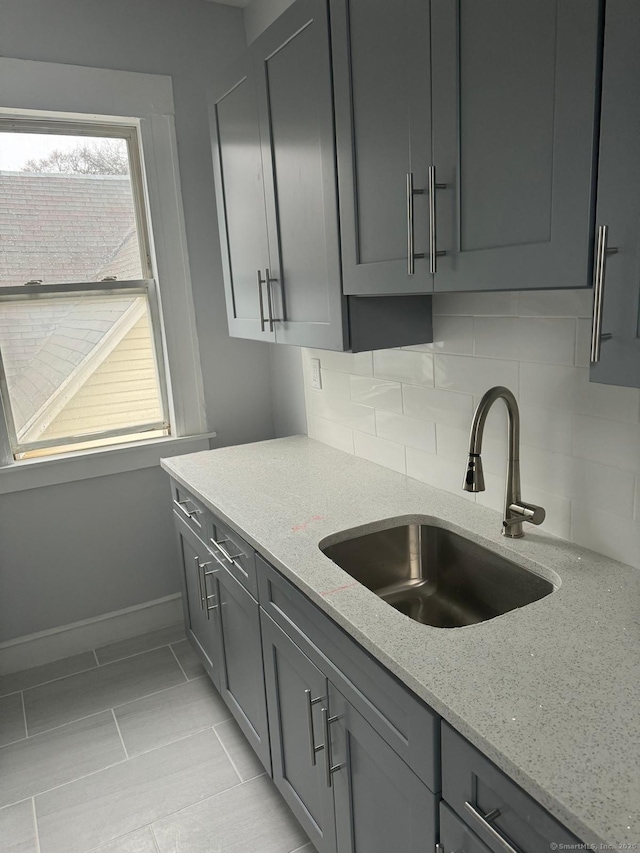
[516,511]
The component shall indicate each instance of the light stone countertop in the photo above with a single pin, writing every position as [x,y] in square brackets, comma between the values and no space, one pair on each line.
[550,692]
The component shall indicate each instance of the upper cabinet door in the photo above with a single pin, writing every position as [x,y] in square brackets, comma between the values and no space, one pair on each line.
[515,93]
[383,124]
[237,163]
[292,62]
[618,214]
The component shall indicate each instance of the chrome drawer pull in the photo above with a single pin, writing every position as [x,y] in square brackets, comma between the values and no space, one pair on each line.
[182,507]
[261,281]
[202,584]
[313,749]
[329,767]
[224,552]
[484,821]
[200,592]
[433,253]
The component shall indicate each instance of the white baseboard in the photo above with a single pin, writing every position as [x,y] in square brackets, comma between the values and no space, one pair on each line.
[46,646]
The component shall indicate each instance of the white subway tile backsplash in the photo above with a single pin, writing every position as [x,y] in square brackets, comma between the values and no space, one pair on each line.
[556,303]
[520,338]
[379,393]
[386,453]
[474,375]
[360,363]
[450,334]
[495,304]
[436,471]
[613,444]
[607,533]
[411,409]
[443,407]
[400,365]
[336,435]
[403,429]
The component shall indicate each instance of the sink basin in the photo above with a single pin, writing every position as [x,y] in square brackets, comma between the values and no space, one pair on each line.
[435,576]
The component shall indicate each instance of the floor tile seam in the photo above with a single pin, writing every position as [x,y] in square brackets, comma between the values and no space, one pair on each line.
[226,752]
[55,728]
[178,662]
[135,654]
[112,707]
[68,782]
[35,824]
[191,805]
[48,681]
[24,714]
[115,720]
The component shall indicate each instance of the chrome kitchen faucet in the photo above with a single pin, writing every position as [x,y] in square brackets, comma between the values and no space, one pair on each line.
[515,510]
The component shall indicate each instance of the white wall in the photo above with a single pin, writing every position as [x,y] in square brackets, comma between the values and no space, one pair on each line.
[126,515]
[411,409]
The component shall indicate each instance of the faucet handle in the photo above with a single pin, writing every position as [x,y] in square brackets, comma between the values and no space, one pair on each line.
[521,511]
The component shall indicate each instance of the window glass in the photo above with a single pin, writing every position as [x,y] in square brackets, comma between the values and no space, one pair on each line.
[67,209]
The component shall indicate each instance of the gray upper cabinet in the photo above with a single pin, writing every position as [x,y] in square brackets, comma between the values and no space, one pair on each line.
[383,125]
[292,62]
[237,163]
[515,104]
[616,348]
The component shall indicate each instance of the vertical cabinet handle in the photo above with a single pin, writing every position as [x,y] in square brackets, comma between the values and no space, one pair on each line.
[485,822]
[598,292]
[261,281]
[329,767]
[200,592]
[272,318]
[313,749]
[207,596]
[433,253]
[411,255]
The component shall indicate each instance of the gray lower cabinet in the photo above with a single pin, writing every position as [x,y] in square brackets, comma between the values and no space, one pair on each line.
[456,836]
[381,805]
[296,694]
[615,352]
[199,599]
[241,680]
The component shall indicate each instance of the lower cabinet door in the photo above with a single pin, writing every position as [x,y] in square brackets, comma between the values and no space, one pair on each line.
[199,597]
[296,694]
[381,805]
[455,836]
[241,673]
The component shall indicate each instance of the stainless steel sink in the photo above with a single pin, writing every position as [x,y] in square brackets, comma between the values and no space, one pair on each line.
[436,576]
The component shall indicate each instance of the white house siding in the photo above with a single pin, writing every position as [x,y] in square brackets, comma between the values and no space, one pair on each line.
[122,391]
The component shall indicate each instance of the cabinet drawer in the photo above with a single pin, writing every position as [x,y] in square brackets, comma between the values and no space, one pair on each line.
[455,836]
[410,728]
[235,555]
[476,789]
[191,511]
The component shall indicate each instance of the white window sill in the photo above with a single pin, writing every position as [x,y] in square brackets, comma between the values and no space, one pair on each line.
[87,464]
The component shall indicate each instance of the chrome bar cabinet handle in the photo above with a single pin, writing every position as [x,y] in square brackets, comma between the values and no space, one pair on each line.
[207,596]
[485,821]
[411,255]
[272,319]
[183,509]
[313,749]
[228,557]
[329,767]
[261,281]
[200,592]
[598,292]
[433,253]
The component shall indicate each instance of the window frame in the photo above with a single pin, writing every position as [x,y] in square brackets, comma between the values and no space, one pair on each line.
[53,92]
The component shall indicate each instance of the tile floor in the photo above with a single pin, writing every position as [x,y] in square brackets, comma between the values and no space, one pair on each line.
[129,749]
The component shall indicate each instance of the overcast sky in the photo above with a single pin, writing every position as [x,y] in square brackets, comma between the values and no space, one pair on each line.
[17,148]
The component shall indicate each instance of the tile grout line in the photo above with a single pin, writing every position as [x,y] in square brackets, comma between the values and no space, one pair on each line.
[24,714]
[154,837]
[178,662]
[115,720]
[224,749]
[95,654]
[35,823]
[50,681]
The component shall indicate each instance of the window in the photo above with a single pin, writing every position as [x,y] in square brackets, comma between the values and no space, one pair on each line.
[81,361]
